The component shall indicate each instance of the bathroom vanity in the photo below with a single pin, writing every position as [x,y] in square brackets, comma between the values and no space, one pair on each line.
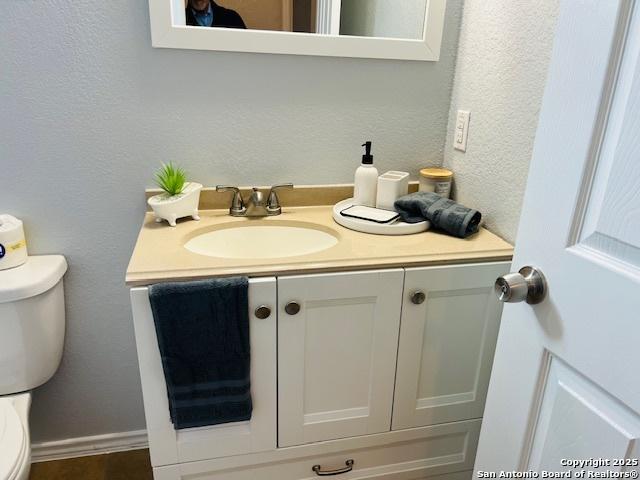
[370,358]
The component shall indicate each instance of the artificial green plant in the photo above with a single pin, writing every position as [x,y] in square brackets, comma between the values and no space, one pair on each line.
[171,179]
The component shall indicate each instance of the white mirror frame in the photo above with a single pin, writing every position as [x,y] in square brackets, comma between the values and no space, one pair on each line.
[168,31]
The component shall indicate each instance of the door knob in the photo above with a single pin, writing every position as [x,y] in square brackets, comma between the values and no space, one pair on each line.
[418,297]
[263,312]
[292,308]
[528,285]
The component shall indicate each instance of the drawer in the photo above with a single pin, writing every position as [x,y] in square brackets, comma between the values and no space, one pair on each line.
[442,449]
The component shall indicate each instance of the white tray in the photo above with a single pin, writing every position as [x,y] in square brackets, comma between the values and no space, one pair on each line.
[396,228]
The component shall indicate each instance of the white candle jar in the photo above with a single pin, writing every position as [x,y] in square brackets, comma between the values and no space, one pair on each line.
[437,180]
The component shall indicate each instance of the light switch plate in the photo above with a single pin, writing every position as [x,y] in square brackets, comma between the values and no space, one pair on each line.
[461,131]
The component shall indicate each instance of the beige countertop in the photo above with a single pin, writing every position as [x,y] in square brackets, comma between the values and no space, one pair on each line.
[160,255]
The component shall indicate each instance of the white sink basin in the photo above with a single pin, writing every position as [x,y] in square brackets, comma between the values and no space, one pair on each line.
[264,240]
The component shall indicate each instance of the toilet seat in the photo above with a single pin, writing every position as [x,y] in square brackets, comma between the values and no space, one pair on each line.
[13,444]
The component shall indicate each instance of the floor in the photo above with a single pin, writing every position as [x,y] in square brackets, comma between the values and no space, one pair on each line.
[131,465]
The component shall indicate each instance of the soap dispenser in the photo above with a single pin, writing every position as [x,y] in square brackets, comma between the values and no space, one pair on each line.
[366,180]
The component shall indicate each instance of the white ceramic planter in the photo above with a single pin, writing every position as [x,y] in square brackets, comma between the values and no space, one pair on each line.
[171,208]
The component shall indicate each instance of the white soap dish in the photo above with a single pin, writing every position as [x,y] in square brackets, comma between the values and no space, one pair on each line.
[396,228]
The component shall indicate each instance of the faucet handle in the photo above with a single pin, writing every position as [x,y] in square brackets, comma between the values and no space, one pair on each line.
[273,204]
[237,204]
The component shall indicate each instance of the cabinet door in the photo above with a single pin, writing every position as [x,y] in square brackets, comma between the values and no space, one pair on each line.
[446,344]
[337,355]
[168,446]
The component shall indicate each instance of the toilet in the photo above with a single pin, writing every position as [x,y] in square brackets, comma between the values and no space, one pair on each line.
[32,325]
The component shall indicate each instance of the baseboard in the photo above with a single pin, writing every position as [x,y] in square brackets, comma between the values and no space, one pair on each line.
[85,446]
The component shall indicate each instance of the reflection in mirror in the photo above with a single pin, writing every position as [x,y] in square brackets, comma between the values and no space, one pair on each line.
[383,18]
[206,13]
[365,18]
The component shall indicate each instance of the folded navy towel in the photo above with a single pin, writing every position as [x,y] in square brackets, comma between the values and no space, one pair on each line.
[443,213]
[203,336]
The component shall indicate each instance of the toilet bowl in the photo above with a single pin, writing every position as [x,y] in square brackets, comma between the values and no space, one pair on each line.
[32,326]
[15,449]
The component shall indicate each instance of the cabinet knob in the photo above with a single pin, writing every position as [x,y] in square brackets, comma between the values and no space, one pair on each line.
[292,308]
[418,297]
[263,312]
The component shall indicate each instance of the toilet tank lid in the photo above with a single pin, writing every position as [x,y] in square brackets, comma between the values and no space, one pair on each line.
[37,275]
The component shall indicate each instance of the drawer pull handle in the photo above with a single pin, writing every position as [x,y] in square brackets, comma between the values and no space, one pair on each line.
[326,473]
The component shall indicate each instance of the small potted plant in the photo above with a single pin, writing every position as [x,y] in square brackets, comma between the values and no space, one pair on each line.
[179,199]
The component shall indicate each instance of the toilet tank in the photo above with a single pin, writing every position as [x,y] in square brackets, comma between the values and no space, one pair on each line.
[32,322]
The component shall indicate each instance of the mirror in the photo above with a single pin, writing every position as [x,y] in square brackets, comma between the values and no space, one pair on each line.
[363,18]
[397,29]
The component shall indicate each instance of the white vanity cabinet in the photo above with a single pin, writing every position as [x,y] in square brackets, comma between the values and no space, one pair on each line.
[450,320]
[168,446]
[348,366]
[337,344]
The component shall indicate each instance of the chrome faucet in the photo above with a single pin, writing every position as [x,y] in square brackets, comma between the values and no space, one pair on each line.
[257,205]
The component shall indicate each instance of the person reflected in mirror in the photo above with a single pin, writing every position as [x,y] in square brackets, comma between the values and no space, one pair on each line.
[207,13]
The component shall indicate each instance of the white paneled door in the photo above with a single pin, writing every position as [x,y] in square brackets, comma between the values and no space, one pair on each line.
[565,387]
[337,345]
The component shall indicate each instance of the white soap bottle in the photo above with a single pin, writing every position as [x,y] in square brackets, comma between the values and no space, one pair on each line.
[366,180]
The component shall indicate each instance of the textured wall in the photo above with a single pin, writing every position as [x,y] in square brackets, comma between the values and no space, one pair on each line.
[504,51]
[88,111]
[383,18]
